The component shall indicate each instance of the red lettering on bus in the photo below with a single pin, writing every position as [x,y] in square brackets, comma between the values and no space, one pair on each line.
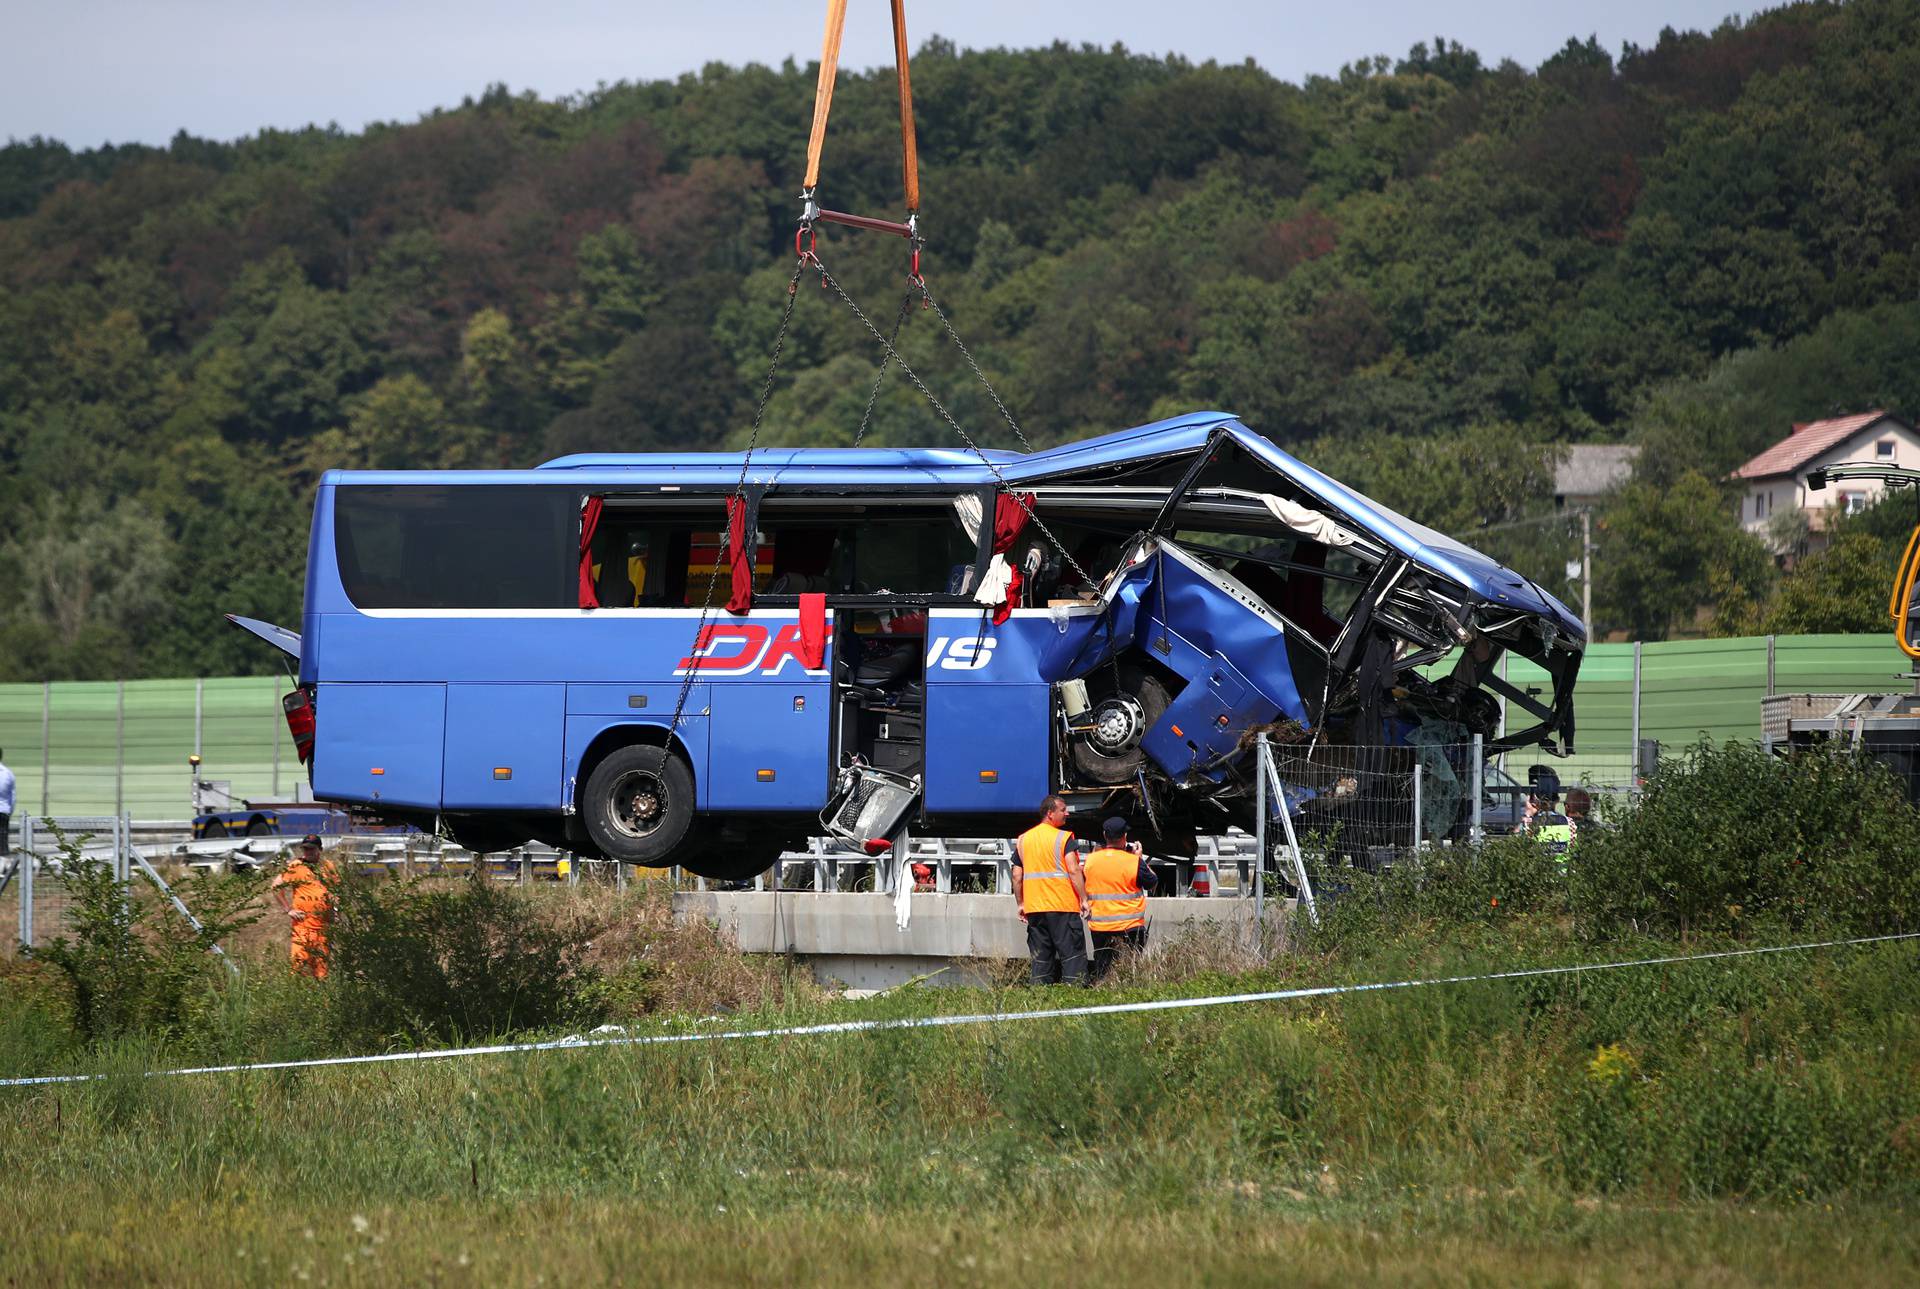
[752,638]
[786,644]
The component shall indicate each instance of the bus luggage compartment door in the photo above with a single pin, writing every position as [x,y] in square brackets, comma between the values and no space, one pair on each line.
[504,746]
[768,748]
[379,743]
[987,746]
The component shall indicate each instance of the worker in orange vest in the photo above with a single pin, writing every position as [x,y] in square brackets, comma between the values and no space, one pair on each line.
[1051,896]
[1118,878]
[301,890]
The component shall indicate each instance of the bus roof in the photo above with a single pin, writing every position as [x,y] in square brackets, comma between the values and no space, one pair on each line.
[882,465]
[962,467]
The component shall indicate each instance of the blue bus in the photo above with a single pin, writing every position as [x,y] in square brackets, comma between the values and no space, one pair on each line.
[684,658]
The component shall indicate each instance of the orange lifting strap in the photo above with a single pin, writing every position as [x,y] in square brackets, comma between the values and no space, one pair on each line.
[823,104]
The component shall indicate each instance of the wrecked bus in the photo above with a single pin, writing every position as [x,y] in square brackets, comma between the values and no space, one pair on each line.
[930,640]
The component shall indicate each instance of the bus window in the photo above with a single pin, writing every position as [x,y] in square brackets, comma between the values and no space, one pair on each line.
[847,546]
[1905,605]
[465,547]
[1310,584]
[795,559]
[647,555]
[1052,578]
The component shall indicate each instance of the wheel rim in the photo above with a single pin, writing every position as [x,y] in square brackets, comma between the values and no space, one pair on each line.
[640,802]
[1119,721]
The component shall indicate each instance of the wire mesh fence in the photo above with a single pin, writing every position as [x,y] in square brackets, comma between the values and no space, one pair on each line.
[36,900]
[1371,806]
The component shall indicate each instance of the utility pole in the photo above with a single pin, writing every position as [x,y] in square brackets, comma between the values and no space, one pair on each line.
[1586,570]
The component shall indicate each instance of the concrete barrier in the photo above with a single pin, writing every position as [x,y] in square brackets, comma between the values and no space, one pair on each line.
[851,937]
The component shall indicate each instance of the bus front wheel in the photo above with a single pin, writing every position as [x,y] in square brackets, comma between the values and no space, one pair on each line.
[639,804]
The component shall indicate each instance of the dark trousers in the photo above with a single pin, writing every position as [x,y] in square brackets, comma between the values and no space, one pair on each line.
[6,822]
[1057,947]
[1108,944]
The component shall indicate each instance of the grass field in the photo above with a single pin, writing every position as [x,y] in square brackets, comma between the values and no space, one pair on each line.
[1743,1122]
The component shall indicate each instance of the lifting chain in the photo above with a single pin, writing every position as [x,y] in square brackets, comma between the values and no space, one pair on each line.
[740,484]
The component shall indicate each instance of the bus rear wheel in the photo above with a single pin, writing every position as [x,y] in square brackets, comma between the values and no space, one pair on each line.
[638,804]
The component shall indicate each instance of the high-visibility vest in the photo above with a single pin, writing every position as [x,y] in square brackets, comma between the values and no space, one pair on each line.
[1113,891]
[1555,830]
[1045,886]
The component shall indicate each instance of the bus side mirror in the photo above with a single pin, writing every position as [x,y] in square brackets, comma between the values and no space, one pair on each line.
[1902,607]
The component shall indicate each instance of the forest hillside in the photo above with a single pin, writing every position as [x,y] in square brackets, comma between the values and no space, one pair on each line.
[1425,274]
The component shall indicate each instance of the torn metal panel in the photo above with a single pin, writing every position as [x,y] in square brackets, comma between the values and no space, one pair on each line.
[1257,624]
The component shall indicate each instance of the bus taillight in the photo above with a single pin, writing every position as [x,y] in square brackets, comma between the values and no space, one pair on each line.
[299,709]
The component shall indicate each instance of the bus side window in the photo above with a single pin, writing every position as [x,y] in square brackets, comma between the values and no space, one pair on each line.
[620,566]
[796,560]
[1904,606]
[868,546]
[652,558]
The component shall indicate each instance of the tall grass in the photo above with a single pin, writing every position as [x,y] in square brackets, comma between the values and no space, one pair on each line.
[1497,1118]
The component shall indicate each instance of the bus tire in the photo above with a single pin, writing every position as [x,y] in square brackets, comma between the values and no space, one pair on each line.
[1137,699]
[638,804]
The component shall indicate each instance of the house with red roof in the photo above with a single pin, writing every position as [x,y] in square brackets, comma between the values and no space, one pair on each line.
[1776,480]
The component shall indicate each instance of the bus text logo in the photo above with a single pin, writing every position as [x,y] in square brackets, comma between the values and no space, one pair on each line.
[747,649]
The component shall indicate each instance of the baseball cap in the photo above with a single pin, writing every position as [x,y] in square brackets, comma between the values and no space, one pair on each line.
[1114,828]
[311,839]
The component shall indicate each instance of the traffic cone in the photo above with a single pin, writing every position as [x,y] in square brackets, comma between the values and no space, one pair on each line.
[1202,878]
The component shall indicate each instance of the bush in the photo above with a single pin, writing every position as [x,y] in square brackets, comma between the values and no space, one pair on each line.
[1496,881]
[136,965]
[1730,838]
[414,960]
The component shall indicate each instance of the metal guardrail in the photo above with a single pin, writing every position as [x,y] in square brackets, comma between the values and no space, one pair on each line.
[825,864]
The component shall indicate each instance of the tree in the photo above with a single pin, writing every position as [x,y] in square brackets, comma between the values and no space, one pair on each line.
[1424,269]
[92,573]
[1664,554]
[1846,587]
[399,424]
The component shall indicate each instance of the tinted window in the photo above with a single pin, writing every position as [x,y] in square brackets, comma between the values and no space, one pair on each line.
[649,556]
[863,549]
[458,547]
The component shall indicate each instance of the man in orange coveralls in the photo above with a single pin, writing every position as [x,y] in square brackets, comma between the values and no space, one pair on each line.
[301,890]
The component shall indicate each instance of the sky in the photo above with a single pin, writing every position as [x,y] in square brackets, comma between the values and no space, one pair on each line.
[89,72]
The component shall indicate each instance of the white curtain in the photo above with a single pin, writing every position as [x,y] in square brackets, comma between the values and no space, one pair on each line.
[1308,523]
[992,590]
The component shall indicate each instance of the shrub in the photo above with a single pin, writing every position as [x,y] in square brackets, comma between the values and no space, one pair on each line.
[137,965]
[1729,838]
[1498,880]
[416,960]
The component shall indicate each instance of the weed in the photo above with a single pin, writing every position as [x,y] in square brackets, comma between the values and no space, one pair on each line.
[414,960]
[134,964]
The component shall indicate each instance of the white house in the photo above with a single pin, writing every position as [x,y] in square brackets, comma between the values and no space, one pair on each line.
[1777,479]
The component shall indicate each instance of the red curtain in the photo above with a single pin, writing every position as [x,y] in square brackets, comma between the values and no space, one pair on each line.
[813,630]
[589,521]
[739,556]
[1010,518]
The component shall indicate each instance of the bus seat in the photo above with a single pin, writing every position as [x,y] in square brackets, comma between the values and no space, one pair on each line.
[884,663]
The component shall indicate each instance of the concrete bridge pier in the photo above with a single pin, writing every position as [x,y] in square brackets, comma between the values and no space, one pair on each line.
[853,937]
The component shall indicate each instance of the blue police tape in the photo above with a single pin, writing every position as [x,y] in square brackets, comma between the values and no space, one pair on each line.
[578,1042]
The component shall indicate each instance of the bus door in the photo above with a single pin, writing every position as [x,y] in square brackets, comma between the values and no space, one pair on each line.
[880,690]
